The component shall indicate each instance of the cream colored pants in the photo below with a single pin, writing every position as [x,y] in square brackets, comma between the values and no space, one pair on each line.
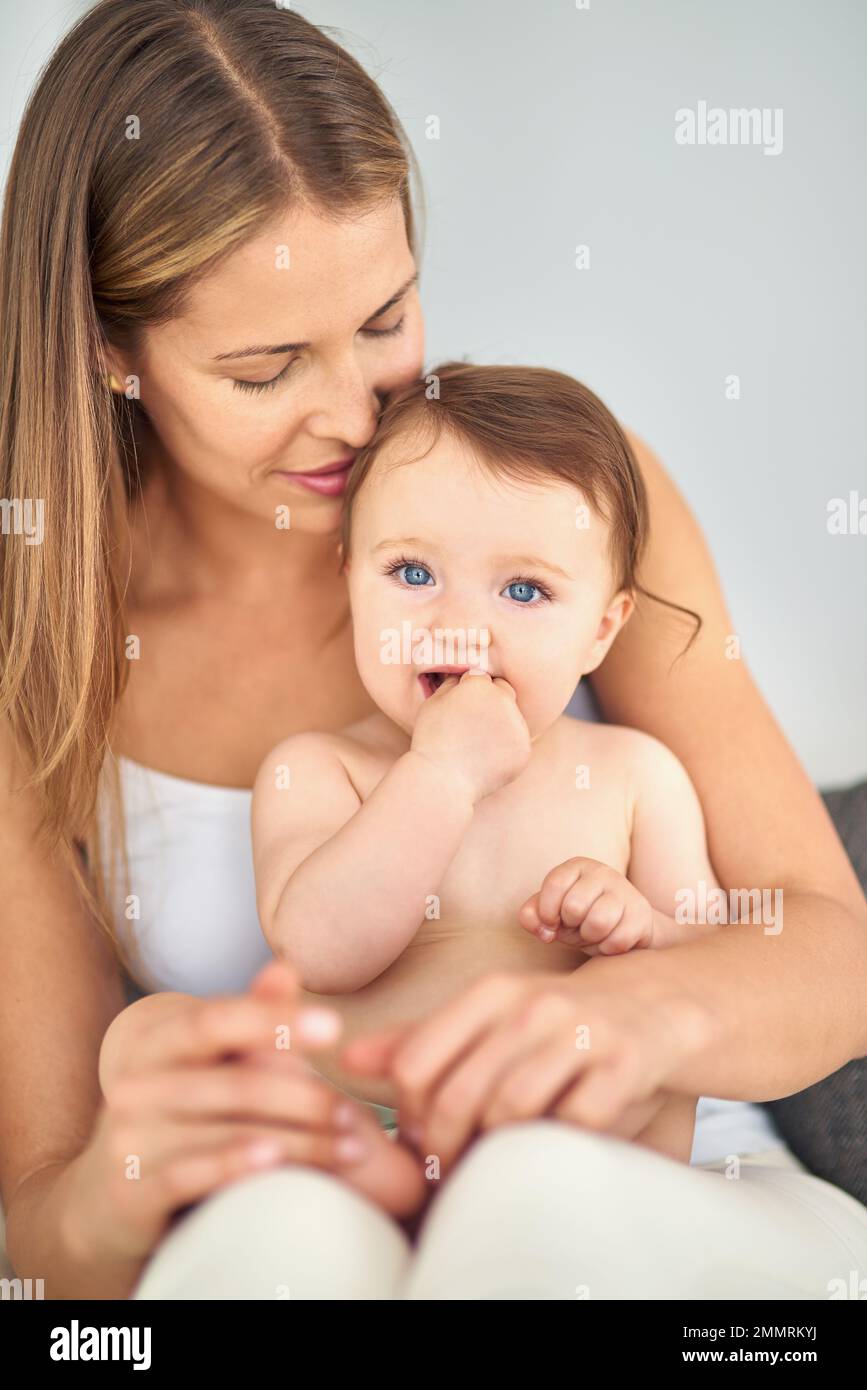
[534,1211]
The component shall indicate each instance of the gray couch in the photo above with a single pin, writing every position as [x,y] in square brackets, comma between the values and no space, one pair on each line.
[826,1125]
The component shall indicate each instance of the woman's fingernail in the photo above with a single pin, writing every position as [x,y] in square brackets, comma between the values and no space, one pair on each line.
[344,1116]
[318,1025]
[263,1153]
[350,1149]
[546,934]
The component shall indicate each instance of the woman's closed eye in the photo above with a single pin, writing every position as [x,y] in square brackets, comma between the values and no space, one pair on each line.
[272,381]
[268,385]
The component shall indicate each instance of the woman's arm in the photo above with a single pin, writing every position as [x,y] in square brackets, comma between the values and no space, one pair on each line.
[59,990]
[792,1004]
[76,1217]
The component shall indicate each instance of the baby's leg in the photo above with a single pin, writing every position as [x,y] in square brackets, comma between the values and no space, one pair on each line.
[672,1128]
[126,1028]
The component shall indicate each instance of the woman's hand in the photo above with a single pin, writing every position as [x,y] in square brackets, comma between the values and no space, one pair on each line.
[586,1048]
[384,1170]
[206,1096]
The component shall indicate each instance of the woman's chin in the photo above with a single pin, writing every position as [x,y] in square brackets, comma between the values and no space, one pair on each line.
[321,519]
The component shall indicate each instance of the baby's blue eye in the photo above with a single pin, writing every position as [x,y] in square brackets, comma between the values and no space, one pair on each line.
[415,574]
[521,591]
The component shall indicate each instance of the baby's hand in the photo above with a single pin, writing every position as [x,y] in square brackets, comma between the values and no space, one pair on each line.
[587,904]
[472,727]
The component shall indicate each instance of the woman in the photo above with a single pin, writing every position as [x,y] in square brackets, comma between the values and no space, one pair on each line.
[208,287]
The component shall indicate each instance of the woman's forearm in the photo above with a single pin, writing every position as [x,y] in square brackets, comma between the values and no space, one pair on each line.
[352,907]
[40,1244]
[791,1005]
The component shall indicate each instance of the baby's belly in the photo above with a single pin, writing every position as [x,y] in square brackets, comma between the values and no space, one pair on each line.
[438,965]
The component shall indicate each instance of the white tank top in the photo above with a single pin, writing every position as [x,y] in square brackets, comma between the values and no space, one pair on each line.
[192,919]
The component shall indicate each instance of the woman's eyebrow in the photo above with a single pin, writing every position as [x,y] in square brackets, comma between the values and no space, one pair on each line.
[278,348]
[390,303]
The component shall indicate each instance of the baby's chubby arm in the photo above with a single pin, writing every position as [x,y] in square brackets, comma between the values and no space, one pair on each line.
[340,884]
[669,858]
[593,906]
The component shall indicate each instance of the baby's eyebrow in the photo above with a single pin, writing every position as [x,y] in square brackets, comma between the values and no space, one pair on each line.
[534,562]
[400,540]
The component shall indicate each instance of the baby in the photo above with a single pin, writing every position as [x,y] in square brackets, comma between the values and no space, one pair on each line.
[492,533]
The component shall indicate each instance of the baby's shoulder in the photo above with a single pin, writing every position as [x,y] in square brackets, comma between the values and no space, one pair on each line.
[352,751]
[615,746]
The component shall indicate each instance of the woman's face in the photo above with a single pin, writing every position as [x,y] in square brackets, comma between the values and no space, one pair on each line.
[276,370]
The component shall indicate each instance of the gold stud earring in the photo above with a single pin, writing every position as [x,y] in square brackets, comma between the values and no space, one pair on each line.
[114,383]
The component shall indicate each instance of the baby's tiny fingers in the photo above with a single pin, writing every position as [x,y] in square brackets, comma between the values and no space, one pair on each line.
[605,914]
[624,938]
[578,902]
[528,915]
[529,919]
[633,931]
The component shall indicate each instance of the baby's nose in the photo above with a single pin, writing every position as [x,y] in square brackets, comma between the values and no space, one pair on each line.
[462,644]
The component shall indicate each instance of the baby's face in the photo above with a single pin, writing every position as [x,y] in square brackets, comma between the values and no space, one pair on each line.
[451,567]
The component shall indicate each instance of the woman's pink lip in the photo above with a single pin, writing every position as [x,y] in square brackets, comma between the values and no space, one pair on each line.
[329,481]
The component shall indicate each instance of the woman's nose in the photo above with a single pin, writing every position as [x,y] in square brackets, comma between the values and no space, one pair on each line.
[348,408]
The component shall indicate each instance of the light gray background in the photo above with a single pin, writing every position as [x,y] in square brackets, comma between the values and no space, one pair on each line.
[557,129]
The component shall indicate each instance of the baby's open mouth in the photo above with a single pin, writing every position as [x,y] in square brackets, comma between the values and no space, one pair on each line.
[430,681]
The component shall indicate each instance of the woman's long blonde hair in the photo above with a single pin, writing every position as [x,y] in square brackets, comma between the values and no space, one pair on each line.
[160,136]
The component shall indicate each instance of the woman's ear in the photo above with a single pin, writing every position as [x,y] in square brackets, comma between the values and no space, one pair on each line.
[114,369]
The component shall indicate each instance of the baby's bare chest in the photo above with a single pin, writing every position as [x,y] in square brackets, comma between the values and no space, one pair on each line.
[510,848]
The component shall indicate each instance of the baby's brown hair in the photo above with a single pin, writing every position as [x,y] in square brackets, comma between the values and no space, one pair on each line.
[528,424]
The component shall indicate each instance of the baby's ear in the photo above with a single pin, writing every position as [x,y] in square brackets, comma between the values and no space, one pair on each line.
[616,616]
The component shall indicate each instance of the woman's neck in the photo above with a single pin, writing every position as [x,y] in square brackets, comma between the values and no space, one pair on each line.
[188,542]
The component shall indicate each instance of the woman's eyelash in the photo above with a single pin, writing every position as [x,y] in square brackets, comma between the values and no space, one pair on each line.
[264,385]
[386,332]
[270,384]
